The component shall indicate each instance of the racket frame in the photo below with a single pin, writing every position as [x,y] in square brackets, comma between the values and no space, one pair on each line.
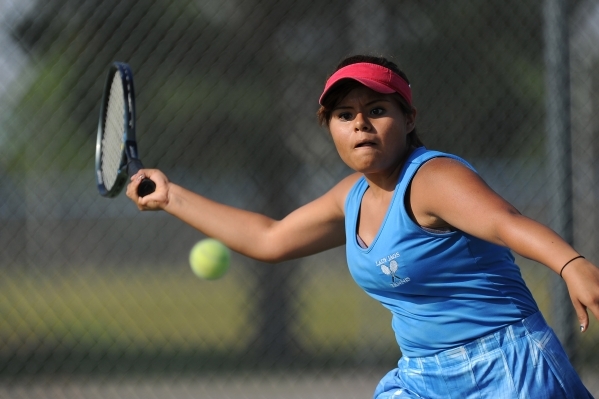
[129,163]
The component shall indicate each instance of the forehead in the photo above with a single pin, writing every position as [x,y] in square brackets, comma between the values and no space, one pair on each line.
[362,94]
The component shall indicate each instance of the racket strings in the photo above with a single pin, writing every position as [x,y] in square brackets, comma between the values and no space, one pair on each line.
[113,138]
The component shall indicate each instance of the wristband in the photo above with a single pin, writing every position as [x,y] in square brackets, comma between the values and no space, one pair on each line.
[568,262]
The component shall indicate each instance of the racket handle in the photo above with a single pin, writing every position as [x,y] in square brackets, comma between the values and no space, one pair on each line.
[147,186]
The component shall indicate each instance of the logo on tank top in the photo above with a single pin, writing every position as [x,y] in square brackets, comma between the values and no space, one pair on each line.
[389,267]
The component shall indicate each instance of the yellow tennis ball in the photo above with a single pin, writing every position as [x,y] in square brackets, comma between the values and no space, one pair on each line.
[209,259]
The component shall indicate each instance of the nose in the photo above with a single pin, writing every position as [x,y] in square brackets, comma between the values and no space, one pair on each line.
[361,124]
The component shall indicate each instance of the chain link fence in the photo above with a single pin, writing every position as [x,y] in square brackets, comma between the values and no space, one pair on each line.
[98,300]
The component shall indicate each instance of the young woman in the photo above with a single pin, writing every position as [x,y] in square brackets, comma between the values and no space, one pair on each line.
[427,238]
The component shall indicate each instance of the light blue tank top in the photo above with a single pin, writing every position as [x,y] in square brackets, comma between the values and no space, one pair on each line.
[443,289]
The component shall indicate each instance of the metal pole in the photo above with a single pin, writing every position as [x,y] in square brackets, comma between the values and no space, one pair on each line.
[559,158]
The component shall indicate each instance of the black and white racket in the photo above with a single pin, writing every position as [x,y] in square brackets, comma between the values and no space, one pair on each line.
[116,148]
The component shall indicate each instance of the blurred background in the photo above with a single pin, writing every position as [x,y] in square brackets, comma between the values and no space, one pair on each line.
[98,300]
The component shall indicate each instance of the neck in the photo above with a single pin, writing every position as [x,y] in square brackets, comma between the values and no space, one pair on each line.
[383,183]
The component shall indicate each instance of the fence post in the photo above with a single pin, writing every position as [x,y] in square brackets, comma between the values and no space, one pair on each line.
[559,149]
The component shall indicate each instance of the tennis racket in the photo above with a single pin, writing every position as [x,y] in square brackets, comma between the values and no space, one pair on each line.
[116,147]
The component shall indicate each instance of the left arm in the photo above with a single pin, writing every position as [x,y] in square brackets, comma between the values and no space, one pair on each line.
[445,192]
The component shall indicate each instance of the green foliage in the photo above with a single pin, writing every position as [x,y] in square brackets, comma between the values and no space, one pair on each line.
[191,95]
[40,130]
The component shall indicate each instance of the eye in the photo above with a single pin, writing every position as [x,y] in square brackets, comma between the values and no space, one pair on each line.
[378,111]
[344,116]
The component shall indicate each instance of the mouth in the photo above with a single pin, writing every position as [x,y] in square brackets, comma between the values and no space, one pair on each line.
[365,144]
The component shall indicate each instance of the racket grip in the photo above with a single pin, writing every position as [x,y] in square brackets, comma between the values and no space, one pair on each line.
[146,186]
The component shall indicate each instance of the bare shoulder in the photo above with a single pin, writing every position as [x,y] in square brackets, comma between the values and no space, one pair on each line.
[342,188]
[326,210]
[443,170]
[442,164]
[448,190]
[339,192]
[347,183]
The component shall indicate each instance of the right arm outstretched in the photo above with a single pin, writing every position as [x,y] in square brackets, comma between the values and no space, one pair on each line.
[312,228]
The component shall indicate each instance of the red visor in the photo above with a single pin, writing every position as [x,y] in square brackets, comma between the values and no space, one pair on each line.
[373,76]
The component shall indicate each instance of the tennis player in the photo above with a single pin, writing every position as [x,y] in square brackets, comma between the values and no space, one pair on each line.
[427,238]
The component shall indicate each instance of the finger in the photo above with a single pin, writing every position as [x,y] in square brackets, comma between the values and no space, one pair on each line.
[141,202]
[139,176]
[150,201]
[132,191]
[148,204]
[132,188]
[582,315]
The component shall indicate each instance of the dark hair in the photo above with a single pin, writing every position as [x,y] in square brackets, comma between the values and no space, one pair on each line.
[342,89]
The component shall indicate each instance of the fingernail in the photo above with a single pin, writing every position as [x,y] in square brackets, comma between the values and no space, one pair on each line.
[140,177]
[581,328]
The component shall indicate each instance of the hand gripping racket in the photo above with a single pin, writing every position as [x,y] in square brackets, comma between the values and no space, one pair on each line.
[116,148]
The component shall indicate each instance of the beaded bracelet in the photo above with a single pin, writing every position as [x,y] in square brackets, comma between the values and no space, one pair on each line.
[568,262]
